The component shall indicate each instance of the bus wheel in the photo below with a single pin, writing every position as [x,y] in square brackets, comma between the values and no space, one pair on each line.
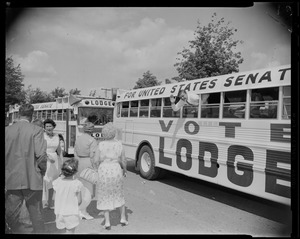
[62,146]
[146,163]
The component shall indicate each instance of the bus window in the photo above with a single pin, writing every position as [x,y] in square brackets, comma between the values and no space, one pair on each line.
[64,115]
[16,115]
[234,104]
[155,108]
[44,114]
[286,113]
[10,118]
[48,112]
[167,109]
[59,114]
[37,116]
[211,107]
[134,108]
[264,103]
[125,108]
[98,116]
[54,114]
[92,118]
[144,108]
[189,111]
[118,109]
[72,115]
[34,116]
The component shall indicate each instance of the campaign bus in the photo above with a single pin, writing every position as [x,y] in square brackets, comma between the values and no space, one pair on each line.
[69,114]
[237,136]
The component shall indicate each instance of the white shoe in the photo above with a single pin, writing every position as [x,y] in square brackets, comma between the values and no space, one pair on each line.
[86,216]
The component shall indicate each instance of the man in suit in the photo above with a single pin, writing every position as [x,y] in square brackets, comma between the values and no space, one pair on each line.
[25,165]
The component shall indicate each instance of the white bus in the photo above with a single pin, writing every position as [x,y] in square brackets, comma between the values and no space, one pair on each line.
[232,139]
[69,114]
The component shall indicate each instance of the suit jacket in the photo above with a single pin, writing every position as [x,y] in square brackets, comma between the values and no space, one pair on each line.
[25,156]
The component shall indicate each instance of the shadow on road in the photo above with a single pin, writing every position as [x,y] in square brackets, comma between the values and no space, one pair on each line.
[249,203]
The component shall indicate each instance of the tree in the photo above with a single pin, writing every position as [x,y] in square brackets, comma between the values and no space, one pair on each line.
[58,92]
[148,80]
[14,93]
[74,92]
[212,52]
[37,95]
[284,14]
[167,81]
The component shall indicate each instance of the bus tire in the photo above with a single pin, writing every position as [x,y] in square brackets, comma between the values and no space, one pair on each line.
[146,164]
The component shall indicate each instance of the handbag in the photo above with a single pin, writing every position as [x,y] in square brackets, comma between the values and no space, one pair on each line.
[90,175]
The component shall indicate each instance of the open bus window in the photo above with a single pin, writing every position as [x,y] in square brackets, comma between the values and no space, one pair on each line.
[167,109]
[234,104]
[125,108]
[72,115]
[155,108]
[264,103]
[144,108]
[98,116]
[134,108]
[286,113]
[210,105]
[189,111]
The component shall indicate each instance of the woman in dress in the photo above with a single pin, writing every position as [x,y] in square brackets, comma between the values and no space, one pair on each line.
[54,163]
[84,152]
[110,157]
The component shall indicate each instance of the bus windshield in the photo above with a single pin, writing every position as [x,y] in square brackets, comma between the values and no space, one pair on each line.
[95,115]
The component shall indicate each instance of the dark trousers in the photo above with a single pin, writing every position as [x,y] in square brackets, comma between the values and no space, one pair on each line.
[13,203]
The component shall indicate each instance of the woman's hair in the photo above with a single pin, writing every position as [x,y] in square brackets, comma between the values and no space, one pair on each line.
[180,92]
[49,121]
[88,127]
[109,131]
[69,167]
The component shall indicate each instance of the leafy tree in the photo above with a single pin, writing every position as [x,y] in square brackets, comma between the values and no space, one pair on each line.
[284,14]
[211,52]
[167,81]
[37,95]
[148,80]
[74,92]
[14,93]
[58,92]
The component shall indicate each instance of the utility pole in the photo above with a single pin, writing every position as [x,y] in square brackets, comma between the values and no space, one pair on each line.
[106,89]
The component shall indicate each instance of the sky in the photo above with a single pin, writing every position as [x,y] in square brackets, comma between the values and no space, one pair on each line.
[112,47]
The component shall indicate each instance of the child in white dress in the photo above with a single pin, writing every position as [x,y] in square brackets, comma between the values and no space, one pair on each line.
[67,197]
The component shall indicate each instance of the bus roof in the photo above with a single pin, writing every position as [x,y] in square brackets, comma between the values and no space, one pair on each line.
[263,78]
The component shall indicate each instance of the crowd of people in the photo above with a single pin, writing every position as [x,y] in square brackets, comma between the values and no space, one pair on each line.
[37,177]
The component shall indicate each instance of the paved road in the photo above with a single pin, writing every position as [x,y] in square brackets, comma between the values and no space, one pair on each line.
[181,205]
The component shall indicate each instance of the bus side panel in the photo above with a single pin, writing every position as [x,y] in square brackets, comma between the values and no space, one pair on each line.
[235,159]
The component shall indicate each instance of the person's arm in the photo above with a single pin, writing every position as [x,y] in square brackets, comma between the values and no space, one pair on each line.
[179,104]
[123,162]
[60,155]
[93,149]
[40,150]
[96,160]
[79,197]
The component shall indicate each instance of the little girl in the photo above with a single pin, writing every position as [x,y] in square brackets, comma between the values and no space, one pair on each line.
[67,197]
